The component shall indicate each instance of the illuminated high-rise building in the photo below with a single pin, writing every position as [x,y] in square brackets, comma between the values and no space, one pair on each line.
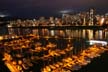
[91,16]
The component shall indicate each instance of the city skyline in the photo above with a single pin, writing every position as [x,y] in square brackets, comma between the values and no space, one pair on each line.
[33,8]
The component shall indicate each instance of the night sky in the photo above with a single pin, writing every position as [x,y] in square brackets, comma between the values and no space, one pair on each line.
[33,8]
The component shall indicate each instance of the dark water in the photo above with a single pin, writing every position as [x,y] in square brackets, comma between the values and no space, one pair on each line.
[99,64]
[3,68]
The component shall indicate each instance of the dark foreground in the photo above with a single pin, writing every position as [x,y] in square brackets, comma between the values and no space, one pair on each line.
[99,64]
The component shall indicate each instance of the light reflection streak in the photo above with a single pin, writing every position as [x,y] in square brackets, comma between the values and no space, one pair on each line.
[97,42]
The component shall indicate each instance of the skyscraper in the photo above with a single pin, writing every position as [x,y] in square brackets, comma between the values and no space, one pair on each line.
[91,17]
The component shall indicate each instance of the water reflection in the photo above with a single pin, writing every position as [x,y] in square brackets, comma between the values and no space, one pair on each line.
[48,47]
[73,33]
[88,34]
